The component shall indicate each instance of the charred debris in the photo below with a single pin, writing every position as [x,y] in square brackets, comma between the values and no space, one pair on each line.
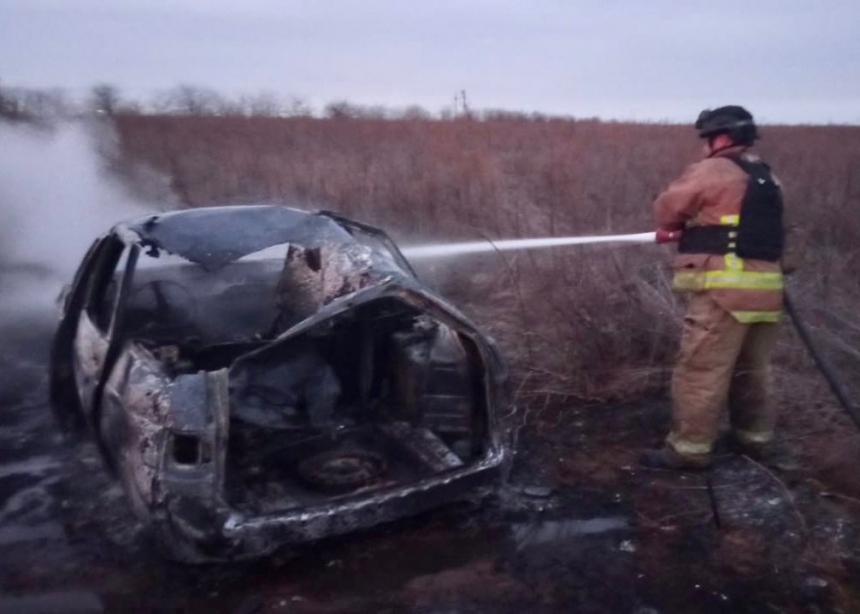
[258,376]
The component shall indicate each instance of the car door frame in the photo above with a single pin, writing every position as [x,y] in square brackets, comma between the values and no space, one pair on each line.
[80,403]
[64,395]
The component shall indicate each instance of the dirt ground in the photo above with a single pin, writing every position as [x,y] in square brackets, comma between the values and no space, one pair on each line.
[579,528]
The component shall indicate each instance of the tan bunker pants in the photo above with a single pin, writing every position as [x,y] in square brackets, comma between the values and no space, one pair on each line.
[721,362]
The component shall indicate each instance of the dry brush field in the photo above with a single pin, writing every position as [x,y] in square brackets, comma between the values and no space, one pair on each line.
[575,323]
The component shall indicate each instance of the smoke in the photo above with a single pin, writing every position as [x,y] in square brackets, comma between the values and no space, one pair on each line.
[55,199]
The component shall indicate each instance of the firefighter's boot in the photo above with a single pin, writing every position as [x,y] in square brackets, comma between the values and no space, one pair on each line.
[773,454]
[667,458]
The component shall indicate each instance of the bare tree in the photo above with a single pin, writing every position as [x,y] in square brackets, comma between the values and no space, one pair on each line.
[192,100]
[296,107]
[341,109]
[8,105]
[104,99]
[42,104]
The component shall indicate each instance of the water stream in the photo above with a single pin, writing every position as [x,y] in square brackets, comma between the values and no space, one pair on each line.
[442,250]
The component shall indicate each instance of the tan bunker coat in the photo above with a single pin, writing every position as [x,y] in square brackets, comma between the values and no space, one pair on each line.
[730,326]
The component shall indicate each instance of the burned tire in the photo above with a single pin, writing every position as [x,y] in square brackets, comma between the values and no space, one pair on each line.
[342,470]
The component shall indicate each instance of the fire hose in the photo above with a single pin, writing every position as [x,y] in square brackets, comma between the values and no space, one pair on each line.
[823,364]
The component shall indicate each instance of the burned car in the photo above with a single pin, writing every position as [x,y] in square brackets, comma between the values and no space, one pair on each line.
[259,376]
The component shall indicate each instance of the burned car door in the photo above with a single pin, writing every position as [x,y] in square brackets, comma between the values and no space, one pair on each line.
[65,402]
[96,329]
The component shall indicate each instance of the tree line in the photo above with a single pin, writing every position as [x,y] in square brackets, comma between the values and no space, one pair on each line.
[103,99]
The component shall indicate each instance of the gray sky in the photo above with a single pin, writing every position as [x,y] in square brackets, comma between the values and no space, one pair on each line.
[786,60]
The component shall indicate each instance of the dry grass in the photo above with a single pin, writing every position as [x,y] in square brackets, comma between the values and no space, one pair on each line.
[579,322]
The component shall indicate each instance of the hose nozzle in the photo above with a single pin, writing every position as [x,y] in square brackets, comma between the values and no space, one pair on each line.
[668,236]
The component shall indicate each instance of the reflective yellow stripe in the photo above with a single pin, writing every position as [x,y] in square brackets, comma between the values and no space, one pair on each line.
[756,317]
[731,220]
[741,280]
[753,436]
[745,280]
[687,447]
[733,262]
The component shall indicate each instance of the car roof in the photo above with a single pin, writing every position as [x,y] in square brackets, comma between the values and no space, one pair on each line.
[216,236]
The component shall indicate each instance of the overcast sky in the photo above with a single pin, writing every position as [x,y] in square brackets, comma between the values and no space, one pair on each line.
[786,60]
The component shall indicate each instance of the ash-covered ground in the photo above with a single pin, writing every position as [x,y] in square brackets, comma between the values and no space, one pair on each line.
[579,529]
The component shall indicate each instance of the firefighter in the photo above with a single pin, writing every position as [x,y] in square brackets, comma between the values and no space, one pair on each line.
[730,211]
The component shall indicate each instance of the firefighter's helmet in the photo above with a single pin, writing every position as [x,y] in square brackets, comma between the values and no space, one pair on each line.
[733,120]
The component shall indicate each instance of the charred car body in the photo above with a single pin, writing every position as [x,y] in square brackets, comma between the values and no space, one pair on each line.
[259,376]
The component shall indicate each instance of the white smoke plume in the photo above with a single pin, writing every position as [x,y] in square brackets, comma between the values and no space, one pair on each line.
[55,199]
